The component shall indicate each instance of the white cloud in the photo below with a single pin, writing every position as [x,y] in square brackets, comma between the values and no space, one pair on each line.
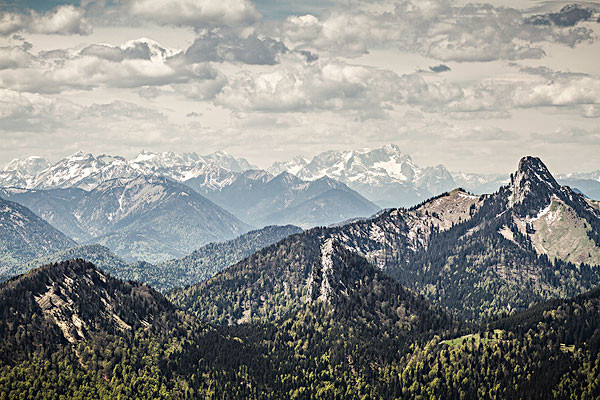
[62,20]
[368,92]
[14,57]
[221,46]
[297,86]
[30,120]
[195,13]
[134,64]
[434,28]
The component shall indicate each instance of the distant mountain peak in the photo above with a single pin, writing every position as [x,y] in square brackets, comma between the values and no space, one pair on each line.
[384,175]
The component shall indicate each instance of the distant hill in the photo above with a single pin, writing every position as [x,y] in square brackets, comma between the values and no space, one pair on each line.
[212,258]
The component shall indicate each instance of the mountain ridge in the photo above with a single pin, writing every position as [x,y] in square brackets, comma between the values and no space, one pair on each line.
[138,217]
[24,235]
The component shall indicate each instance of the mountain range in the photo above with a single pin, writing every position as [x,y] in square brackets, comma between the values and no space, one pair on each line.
[385,176]
[477,256]
[263,199]
[456,297]
[270,199]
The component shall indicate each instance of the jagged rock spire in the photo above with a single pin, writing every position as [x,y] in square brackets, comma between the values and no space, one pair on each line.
[532,178]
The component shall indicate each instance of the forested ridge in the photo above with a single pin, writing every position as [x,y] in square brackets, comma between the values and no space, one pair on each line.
[317,350]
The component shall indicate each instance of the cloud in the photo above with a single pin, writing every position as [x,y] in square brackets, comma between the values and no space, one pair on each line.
[319,86]
[14,57]
[558,92]
[33,121]
[135,64]
[228,47]
[590,110]
[365,92]
[440,68]
[195,13]
[563,135]
[340,33]
[569,15]
[496,98]
[62,20]
[138,50]
[433,28]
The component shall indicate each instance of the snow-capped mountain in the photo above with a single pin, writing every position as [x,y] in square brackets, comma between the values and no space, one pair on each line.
[593,175]
[480,183]
[82,170]
[86,171]
[587,183]
[293,166]
[19,173]
[384,175]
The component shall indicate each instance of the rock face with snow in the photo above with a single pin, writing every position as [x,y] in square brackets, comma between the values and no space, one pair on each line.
[262,199]
[24,235]
[82,170]
[86,171]
[146,217]
[20,173]
[385,175]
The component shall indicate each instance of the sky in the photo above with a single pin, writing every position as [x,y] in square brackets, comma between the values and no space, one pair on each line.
[472,86]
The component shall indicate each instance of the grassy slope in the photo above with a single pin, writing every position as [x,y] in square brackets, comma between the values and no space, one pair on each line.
[562,234]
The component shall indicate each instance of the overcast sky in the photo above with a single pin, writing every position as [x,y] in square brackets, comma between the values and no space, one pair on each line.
[470,86]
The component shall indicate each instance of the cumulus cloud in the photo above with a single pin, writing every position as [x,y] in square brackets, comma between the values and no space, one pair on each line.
[138,50]
[434,28]
[496,98]
[135,64]
[569,15]
[329,85]
[62,20]
[14,57]
[227,46]
[195,13]
[303,87]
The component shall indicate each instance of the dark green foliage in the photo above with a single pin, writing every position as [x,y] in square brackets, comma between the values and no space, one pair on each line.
[212,258]
[549,351]
[349,347]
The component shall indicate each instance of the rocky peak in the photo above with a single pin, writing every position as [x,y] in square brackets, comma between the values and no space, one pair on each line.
[532,179]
